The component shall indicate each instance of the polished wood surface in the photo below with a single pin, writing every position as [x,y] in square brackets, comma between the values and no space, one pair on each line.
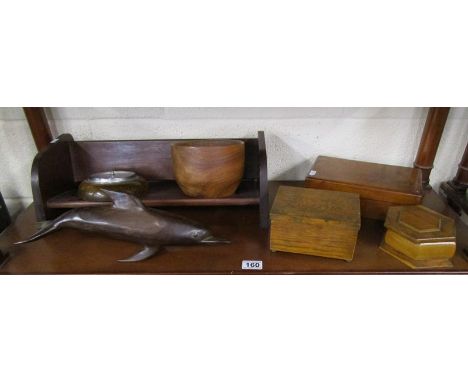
[420,224]
[39,126]
[315,222]
[419,237]
[379,185]
[51,174]
[421,234]
[374,181]
[151,159]
[435,263]
[433,129]
[320,205]
[58,169]
[418,251]
[263,181]
[208,168]
[74,252]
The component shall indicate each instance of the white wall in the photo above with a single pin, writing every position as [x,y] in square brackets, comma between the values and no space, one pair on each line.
[295,136]
[17,151]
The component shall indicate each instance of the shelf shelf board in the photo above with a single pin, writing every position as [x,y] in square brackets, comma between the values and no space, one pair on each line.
[167,193]
[71,251]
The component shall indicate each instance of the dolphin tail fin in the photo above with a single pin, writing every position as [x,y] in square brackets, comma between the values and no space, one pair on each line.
[144,254]
[48,228]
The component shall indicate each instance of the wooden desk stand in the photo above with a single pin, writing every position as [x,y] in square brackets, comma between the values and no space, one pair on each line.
[63,164]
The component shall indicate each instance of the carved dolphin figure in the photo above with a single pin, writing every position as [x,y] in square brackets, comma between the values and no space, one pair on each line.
[128,219]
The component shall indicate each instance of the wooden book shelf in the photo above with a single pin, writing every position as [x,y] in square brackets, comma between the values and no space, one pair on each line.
[60,167]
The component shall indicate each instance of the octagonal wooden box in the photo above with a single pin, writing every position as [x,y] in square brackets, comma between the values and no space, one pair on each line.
[419,237]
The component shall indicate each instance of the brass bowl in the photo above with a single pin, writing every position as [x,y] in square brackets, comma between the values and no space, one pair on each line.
[208,168]
[120,181]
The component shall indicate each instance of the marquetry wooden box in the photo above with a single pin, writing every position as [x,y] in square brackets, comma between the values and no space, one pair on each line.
[315,222]
[380,186]
[419,237]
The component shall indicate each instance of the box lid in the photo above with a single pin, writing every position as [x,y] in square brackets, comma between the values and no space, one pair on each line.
[318,204]
[420,224]
[373,181]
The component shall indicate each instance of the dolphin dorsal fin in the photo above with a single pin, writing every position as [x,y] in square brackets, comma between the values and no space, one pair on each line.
[124,201]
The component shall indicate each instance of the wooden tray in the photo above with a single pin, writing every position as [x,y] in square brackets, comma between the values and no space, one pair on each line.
[58,170]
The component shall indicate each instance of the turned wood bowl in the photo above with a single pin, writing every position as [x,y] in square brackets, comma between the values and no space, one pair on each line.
[208,168]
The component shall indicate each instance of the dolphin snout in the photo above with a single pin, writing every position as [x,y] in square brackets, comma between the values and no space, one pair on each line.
[214,240]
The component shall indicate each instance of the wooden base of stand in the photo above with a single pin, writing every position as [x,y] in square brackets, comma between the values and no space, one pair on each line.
[416,264]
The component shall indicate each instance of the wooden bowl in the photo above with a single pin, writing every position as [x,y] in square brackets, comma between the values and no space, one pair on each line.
[208,168]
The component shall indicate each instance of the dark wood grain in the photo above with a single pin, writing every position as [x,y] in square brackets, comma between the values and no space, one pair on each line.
[379,185]
[419,237]
[263,181]
[57,172]
[166,193]
[208,168]
[39,126]
[51,174]
[315,222]
[148,158]
[75,252]
[433,129]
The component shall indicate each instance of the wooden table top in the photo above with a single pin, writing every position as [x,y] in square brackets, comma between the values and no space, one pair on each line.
[73,252]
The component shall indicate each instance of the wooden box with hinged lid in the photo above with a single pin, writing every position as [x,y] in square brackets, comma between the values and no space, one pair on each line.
[315,222]
[419,237]
[379,185]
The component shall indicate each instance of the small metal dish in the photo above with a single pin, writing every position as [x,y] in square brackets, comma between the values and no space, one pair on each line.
[118,180]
